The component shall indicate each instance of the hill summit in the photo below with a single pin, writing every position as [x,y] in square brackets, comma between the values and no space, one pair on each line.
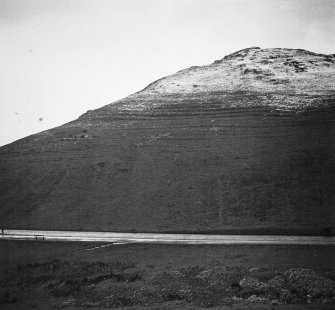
[243,145]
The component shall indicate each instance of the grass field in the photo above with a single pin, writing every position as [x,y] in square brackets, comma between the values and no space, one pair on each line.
[44,275]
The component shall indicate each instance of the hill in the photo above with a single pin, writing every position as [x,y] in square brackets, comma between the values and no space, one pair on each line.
[243,145]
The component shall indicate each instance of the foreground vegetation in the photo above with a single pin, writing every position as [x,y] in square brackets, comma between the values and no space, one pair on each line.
[46,275]
[117,284]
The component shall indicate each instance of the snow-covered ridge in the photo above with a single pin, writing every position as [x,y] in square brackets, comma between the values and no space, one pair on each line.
[281,79]
[255,69]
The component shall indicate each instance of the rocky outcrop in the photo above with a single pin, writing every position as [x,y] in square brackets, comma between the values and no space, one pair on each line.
[308,280]
[295,286]
[245,144]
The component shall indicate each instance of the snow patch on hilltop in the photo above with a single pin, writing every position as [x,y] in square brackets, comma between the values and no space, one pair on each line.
[255,69]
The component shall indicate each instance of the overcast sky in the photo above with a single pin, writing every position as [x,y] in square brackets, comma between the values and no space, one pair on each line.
[60,58]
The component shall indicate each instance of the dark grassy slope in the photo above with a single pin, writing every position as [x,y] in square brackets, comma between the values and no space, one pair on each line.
[188,164]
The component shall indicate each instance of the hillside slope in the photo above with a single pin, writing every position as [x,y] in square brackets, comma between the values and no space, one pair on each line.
[243,145]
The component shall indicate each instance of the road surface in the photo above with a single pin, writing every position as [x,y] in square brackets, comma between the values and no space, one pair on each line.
[113,237]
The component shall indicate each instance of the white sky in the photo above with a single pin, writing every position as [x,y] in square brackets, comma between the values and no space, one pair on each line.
[60,58]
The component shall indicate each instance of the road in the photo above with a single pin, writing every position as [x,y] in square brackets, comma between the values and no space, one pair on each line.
[113,237]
